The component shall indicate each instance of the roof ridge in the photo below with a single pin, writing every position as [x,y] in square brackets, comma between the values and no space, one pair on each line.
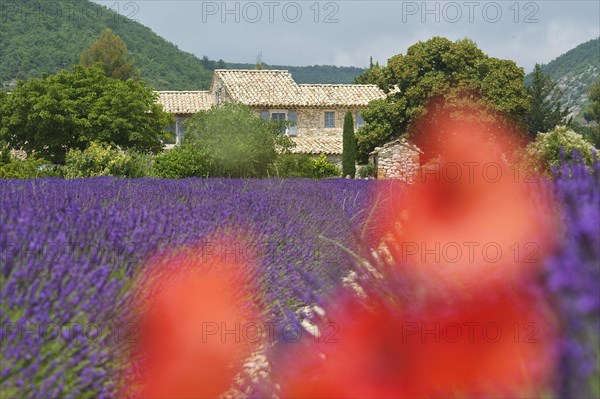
[337,84]
[252,70]
[181,91]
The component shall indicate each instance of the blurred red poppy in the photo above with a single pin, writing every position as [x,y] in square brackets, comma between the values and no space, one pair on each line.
[193,309]
[493,346]
[467,226]
[469,218]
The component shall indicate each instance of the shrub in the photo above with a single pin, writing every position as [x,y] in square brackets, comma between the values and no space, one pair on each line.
[292,165]
[322,168]
[551,149]
[366,171]
[188,160]
[303,166]
[29,168]
[241,143]
[105,160]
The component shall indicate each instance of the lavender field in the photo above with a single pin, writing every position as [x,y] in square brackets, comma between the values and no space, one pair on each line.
[71,250]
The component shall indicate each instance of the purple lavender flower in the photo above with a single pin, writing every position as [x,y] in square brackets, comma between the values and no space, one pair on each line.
[573,276]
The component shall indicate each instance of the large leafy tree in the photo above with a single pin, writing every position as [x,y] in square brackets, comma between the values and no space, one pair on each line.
[70,110]
[546,110]
[453,73]
[348,147]
[241,143]
[110,51]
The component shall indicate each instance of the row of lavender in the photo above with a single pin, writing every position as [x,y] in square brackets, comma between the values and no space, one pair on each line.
[70,250]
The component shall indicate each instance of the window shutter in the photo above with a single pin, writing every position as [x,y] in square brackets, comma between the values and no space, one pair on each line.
[292,117]
[178,131]
[264,115]
[360,122]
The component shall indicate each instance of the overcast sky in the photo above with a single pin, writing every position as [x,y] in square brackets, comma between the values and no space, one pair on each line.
[346,33]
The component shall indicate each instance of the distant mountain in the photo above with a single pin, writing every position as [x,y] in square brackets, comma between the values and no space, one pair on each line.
[45,36]
[574,72]
[311,74]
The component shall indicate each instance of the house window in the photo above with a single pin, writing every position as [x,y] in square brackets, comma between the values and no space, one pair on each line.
[329,119]
[360,122]
[217,96]
[278,116]
[172,129]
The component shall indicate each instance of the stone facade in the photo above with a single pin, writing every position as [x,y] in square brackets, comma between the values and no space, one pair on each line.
[397,160]
[311,121]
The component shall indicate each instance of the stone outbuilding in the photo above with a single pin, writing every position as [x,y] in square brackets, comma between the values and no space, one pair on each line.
[397,159]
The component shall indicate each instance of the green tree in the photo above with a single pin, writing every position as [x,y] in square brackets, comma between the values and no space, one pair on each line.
[589,132]
[111,52]
[372,75]
[545,111]
[52,114]
[593,110]
[348,147]
[592,113]
[241,143]
[452,72]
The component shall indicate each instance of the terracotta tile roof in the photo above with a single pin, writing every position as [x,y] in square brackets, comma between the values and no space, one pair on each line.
[317,145]
[278,88]
[350,95]
[184,102]
[259,87]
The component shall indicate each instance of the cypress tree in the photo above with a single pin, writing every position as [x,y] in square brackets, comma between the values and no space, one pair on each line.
[349,147]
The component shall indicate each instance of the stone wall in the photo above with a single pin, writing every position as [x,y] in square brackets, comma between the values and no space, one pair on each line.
[397,160]
[311,121]
[335,159]
[217,86]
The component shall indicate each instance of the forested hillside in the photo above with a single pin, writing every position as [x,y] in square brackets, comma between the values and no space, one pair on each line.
[46,36]
[574,72]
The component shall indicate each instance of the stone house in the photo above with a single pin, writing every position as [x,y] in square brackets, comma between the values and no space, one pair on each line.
[183,105]
[316,110]
[397,159]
